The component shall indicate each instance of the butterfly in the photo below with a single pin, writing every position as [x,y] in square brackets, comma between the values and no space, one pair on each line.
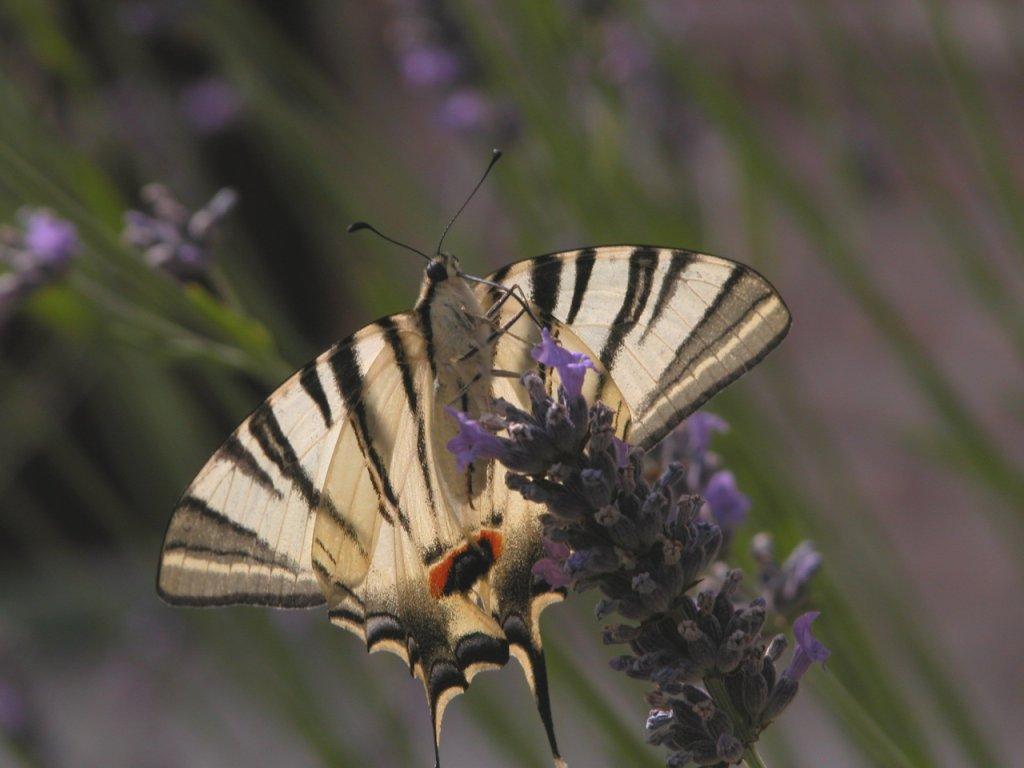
[338,491]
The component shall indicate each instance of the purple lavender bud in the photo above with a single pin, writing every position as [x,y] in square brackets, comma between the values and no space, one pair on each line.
[210,104]
[607,515]
[658,718]
[621,663]
[571,366]
[621,448]
[776,647]
[730,749]
[51,240]
[796,574]
[621,633]
[755,691]
[595,488]
[699,428]
[782,695]
[605,608]
[728,506]
[643,584]
[808,648]
[473,441]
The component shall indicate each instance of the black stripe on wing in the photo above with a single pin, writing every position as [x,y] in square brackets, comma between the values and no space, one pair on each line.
[545,282]
[235,453]
[669,286]
[642,262]
[584,262]
[349,379]
[309,378]
[394,341]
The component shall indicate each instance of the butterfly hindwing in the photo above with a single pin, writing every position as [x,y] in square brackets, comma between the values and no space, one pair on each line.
[390,461]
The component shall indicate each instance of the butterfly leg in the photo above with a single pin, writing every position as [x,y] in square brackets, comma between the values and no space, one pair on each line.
[494,336]
[515,292]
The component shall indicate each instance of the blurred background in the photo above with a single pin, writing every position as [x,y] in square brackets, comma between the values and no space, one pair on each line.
[866,156]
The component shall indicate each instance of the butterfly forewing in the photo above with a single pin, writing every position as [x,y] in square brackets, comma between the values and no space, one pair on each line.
[669,328]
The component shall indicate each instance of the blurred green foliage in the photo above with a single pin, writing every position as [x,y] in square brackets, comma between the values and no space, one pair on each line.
[620,119]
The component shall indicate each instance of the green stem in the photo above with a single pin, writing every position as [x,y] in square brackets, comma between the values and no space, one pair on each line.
[752,759]
[720,694]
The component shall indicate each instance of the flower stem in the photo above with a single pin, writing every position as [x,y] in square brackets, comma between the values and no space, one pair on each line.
[753,760]
[718,691]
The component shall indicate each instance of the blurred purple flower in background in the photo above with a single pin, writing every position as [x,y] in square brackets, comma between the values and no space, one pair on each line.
[53,241]
[210,104]
[37,252]
[785,586]
[728,505]
[173,238]
[429,66]
[466,110]
[426,46]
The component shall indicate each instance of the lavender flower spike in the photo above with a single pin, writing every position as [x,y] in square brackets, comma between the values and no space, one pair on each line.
[571,366]
[473,441]
[808,648]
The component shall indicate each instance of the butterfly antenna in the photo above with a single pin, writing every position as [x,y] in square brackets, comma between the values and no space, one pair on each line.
[495,157]
[355,226]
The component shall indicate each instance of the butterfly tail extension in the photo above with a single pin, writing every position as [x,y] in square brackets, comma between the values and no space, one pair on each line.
[531,656]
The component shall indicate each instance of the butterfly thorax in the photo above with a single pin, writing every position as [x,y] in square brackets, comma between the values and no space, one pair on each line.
[460,348]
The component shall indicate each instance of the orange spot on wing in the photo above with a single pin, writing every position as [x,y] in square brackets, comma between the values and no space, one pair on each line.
[438,573]
[496,541]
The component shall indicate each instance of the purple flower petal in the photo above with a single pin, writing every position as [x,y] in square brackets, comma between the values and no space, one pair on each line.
[571,366]
[556,549]
[808,648]
[473,441]
[552,571]
[728,505]
[51,240]
[801,565]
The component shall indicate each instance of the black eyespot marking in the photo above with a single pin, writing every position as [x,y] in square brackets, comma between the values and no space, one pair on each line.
[436,272]
[468,567]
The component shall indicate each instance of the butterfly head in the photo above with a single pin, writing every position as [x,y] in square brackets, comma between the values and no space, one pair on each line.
[441,267]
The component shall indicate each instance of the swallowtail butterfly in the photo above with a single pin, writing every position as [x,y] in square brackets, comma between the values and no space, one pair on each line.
[338,491]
